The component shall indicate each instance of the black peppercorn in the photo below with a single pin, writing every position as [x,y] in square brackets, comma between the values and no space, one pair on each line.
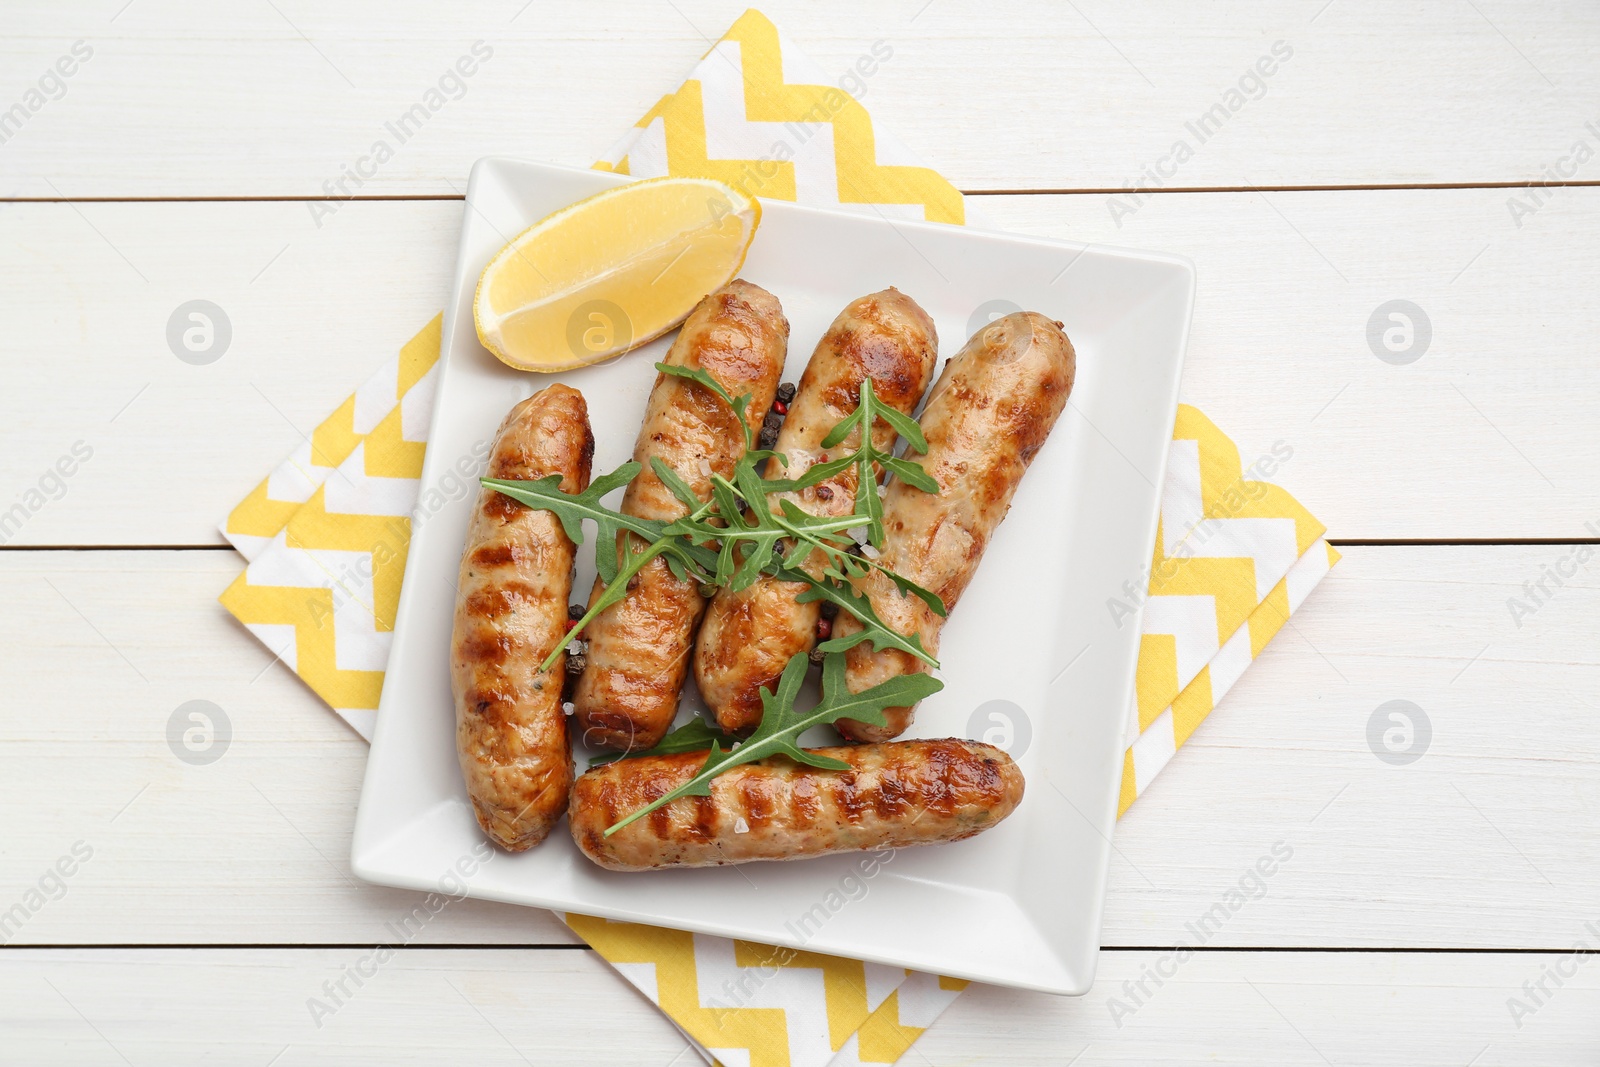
[769,430]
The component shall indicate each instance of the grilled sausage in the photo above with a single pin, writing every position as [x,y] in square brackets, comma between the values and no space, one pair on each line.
[511,609]
[639,647]
[749,636]
[986,418]
[893,796]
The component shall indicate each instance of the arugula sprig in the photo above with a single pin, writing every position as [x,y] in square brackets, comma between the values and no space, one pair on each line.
[696,735]
[740,404]
[782,725]
[760,531]
[873,628]
[735,537]
[867,459]
[572,508]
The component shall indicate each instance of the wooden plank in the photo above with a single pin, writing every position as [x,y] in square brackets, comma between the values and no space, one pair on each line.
[312,315]
[1487,435]
[177,1006]
[1484,842]
[258,841]
[186,99]
[1379,1010]
[1464,441]
[250,1006]
[1470,845]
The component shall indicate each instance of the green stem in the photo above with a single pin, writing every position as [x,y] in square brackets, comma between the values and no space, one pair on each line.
[636,563]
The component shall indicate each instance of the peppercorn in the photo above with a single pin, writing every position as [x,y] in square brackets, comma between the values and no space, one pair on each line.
[769,430]
[785,392]
[824,629]
[575,611]
[780,407]
[829,609]
[576,662]
[817,656]
[824,492]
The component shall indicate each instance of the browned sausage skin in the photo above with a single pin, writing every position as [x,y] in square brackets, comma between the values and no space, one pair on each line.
[749,636]
[511,610]
[639,647]
[986,418]
[893,796]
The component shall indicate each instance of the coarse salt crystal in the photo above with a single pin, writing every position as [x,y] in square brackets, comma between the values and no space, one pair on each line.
[869,552]
[705,466]
[857,533]
[740,826]
[883,490]
[567,707]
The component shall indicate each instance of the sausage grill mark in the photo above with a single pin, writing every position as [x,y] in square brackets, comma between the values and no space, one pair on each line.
[487,650]
[847,797]
[501,554]
[703,825]
[502,508]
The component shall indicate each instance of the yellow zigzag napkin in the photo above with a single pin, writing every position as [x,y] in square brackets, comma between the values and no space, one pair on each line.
[758,114]
[326,536]
[1234,557]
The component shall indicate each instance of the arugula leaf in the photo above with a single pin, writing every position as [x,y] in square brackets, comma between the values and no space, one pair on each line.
[813,475]
[869,507]
[934,601]
[754,458]
[905,426]
[825,534]
[912,474]
[738,404]
[762,534]
[867,459]
[617,536]
[675,483]
[613,593]
[696,735]
[572,508]
[781,725]
[873,628]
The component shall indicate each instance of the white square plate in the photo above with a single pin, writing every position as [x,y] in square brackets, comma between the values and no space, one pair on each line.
[1031,659]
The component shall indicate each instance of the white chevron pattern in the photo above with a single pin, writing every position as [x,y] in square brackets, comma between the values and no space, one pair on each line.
[1192,622]
[355,492]
[1159,743]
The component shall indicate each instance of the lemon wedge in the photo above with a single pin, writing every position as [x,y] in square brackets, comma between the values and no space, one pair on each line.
[609,273]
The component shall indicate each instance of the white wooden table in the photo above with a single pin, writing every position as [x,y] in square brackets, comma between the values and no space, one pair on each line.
[1380,162]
